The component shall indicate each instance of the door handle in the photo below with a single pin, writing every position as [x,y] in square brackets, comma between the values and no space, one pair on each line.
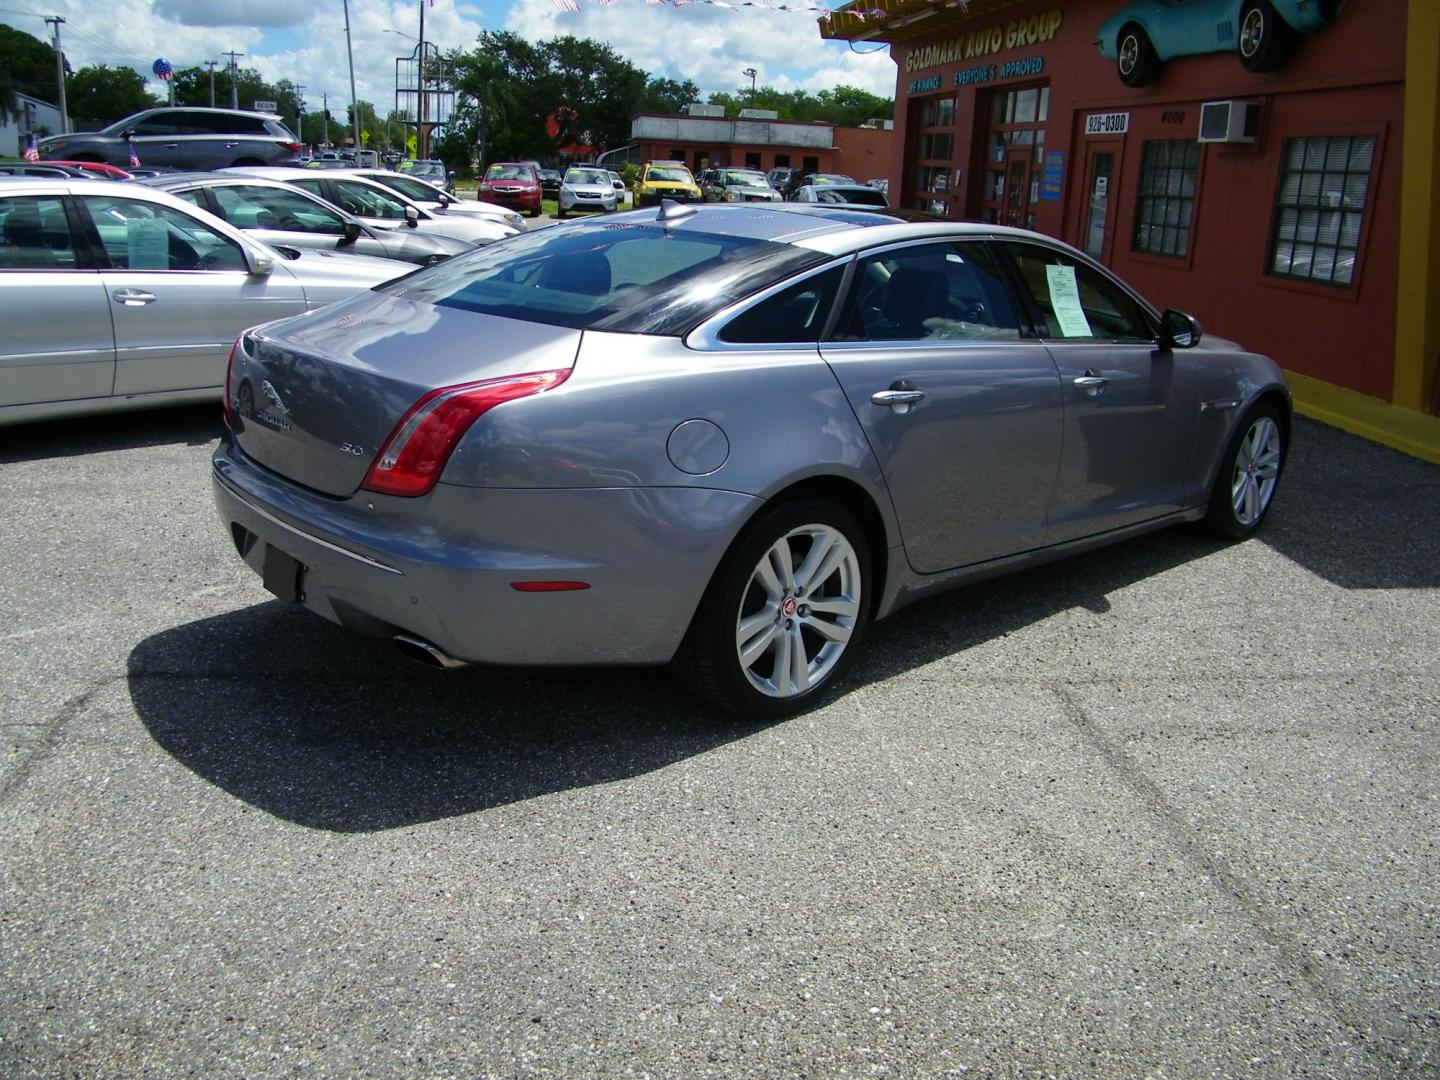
[133,297]
[1092,384]
[899,397]
[231,145]
[171,145]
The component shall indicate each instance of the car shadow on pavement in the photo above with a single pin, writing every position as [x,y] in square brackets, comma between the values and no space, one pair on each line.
[192,425]
[317,726]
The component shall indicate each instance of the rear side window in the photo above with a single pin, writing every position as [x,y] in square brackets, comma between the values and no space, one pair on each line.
[34,234]
[792,316]
[628,278]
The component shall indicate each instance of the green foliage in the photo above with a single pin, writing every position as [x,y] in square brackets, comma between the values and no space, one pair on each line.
[100,95]
[27,66]
[846,106]
[668,96]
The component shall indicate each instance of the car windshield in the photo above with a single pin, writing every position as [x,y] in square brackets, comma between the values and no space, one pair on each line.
[745,179]
[675,174]
[508,172]
[414,189]
[631,278]
[830,178]
[856,196]
[586,176]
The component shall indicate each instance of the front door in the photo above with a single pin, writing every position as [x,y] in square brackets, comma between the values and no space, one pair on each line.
[1017,187]
[179,292]
[1098,238]
[962,414]
[1130,414]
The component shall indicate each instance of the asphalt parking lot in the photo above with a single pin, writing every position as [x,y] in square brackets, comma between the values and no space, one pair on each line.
[1166,810]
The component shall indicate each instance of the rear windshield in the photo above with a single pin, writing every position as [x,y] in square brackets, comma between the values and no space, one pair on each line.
[852,195]
[629,278]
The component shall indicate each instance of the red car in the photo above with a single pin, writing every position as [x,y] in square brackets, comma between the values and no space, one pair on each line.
[99,168]
[515,184]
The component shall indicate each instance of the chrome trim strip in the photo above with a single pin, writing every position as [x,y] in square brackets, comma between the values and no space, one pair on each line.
[326,544]
[1220,403]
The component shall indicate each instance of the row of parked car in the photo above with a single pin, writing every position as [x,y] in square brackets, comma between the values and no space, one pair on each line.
[125,287]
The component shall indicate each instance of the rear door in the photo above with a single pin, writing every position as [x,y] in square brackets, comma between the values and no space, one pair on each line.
[962,413]
[1130,411]
[57,343]
[179,292]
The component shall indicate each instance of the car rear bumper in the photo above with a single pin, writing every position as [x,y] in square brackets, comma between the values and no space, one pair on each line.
[384,566]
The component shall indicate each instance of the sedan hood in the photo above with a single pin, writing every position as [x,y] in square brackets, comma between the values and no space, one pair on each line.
[317,395]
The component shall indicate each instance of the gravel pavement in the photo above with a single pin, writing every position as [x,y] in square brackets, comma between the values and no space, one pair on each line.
[1168,809]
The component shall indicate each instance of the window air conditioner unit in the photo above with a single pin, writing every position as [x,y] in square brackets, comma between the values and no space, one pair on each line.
[1229,121]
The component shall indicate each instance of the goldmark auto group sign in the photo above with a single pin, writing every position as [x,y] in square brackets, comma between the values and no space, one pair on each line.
[1013,35]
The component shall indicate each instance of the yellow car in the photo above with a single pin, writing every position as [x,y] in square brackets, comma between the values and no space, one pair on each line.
[665,180]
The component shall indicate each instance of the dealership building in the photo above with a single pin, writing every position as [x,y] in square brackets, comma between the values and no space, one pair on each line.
[1272,166]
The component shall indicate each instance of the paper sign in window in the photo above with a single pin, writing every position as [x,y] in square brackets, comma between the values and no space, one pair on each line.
[147,243]
[1065,302]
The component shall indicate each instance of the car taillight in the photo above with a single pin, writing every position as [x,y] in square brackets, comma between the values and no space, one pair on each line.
[415,454]
[227,404]
[293,147]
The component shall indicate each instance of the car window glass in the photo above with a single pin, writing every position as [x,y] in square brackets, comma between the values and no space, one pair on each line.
[673,174]
[163,124]
[632,279]
[256,207]
[586,176]
[145,236]
[197,123]
[1074,300]
[507,172]
[931,292]
[365,201]
[194,198]
[792,316]
[34,234]
[413,189]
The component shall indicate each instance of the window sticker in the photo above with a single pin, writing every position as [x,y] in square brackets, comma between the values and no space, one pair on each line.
[147,243]
[1065,301]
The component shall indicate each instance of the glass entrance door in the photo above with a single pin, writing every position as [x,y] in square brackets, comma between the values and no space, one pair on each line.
[1098,238]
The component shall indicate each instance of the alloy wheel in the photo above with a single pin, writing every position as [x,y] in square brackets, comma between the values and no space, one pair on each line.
[799,611]
[1257,469]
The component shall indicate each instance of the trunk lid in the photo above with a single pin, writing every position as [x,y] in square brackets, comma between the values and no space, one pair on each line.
[317,395]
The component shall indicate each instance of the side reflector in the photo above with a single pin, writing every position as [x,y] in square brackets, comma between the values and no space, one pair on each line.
[549,586]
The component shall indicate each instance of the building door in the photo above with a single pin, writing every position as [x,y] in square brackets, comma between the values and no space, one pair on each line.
[1098,238]
[1017,187]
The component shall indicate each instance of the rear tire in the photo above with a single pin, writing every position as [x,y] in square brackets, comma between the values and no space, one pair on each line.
[783,614]
[1249,474]
[1266,40]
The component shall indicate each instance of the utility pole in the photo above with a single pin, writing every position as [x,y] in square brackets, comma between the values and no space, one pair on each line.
[60,74]
[234,83]
[354,104]
[325,107]
[211,65]
[300,112]
[752,73]
[422,140]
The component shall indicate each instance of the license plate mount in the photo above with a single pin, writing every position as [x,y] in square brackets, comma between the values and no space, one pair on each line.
[281,574]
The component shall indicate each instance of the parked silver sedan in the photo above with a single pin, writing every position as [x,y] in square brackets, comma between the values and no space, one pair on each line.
[728,437]
[283,215]
[382,207]
[117,296]
[437,200]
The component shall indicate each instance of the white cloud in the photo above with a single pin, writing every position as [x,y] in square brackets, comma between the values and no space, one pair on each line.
[236,12]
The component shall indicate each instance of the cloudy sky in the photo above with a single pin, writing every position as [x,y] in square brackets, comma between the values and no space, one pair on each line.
[304,40]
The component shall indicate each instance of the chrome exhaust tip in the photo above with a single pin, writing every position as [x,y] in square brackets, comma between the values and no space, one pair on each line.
[422,652]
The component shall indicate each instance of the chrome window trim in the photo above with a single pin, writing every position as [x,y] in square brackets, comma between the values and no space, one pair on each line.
[706,336]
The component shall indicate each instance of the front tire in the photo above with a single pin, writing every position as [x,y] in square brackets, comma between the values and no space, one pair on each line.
[1266,40]
[1136,60]
[1249,475]
[783,614]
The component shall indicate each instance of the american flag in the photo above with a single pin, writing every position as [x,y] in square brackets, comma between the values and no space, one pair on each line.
[32,152]
[566,5]
[134,157]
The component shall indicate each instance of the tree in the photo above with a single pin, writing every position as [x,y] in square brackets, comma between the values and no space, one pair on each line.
[847,106]
[27,66]
[668,96]
[101,95]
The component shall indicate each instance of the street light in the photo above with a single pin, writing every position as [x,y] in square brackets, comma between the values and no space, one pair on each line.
[750,71]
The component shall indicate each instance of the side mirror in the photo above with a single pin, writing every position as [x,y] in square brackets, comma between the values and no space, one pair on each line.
[353,232]
[1179,330]
[412,217]
[259,265]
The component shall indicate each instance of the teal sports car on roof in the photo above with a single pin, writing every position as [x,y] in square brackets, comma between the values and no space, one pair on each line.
[1143,36]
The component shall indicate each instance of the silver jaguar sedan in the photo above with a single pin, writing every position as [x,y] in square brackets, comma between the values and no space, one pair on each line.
[727,437]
